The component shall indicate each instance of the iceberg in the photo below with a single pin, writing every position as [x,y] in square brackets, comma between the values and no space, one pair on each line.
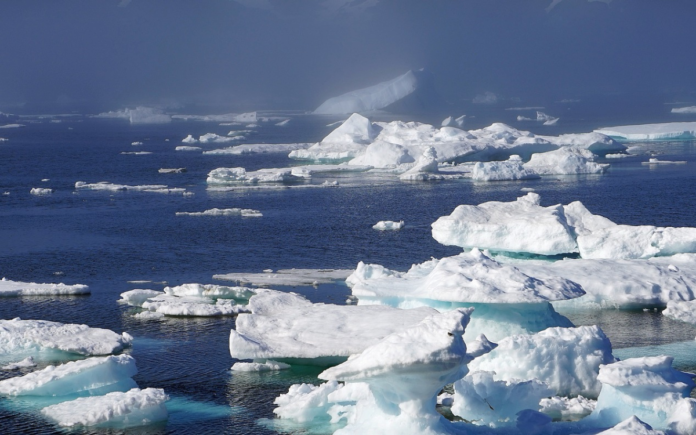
[425,168]
[344,143]
[511,169]
[520,226]
[565,161]
[17,288]
[244,212]
[665,131]
[118,409]
[412,90]
[688,109]
[92,376]
[136,153]
[189,139]
[388,225]
[139,115]
[287,277]
[684,311]
[241,176]
[105,185]
[654,161]
[18,335]
[480,399]
[39,191]
[285,326]
[171,170]
[187,148]
[212,291]
[632,425]
[261,148]
[12,126]
[564,408]
[567,359]
[647,388]
[405,371]
[381,154]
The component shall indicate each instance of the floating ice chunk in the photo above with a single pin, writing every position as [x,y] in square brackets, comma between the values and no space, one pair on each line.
[171,170]
[460,121]
[17,334]
[617,156]
[16,288]
[480,346]
[39,191]
[654,161]
[284,325]
[683,418]
[214,138]
[564,408]
[149,315]
[261,148]
[139,115]
[632,425]
[241,176]
[283,123]
[137,143]
[132,408]
[484,401]
[288,277]
[91,376]
[187,148]
[425,168]
[267,366]
[305,402]
[666,131]
[524,118]
[12,125]
[105,185]
[136,153]
[244,212]
[405,372]
[543,117]
[189,139]
[565,161]
[519,226]
[448,122]
[568,359]
[374,97]
[681,310]
[648,388]
[137,297]
[511,169]
[190,306]
[552,121]
[380,154]
[228,118]
[688,109]
[251,126]
[388,225]
[26,362]
[3,139]
[211,291]
[308,171]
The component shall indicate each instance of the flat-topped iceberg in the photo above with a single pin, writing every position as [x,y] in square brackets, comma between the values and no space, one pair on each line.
[647,388]
[139,115]
[287,277]
[288,326]
[414,84]
[405,371]
[567,359]
[116,410]
[17,288]
[105,185]
[261,148]
[665,131]
[24,335]
[244,212]
[92,376]
[519,226]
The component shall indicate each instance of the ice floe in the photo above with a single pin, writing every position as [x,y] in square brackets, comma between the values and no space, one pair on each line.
[666,131]
[287,277]
[187,148]
[244,212]
[687,109]
[136,153]
[567,359]
[225,117]
[288,326]
[105,185]
[283,123]
[565,161]
[118,409]
[171,170]
[92,376]
[27,335]
[139,115]
[17,288]
[267,366]
[262,148]
[388,225]
[12,125]
[654,161]
[241,176]
[184,303]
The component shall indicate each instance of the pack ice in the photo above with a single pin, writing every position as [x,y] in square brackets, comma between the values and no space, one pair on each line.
[288,326]
[17,288]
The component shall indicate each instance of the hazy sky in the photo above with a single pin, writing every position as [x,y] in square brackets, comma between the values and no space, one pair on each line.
[296,53]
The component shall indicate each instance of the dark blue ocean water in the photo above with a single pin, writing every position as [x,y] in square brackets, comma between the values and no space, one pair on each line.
[105,239]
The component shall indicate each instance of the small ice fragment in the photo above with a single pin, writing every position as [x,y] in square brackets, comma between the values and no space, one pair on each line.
[26,362]
[388,225]
[39,191]
[136,143]
[269,365]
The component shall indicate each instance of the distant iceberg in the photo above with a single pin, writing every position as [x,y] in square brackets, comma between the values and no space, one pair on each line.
[139,115]
[244,212]
[413,90]
[666,131]
[689,109]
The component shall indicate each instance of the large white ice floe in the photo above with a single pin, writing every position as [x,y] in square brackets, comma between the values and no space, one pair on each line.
[92,376]
[567,359]
[189,304]
[287,277]
[25,335]
[241,176]
[17,288]
[211,291]
[139,115]
[105,185]
[405,371]
[565,161]
[244,212]
[479,398]
[511,169]
[374,97]
[648,388]
[666,131]
[214,138]
[507,301]
[519,226]
[261,148]
[288,326]
[116,410]
[187,148]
